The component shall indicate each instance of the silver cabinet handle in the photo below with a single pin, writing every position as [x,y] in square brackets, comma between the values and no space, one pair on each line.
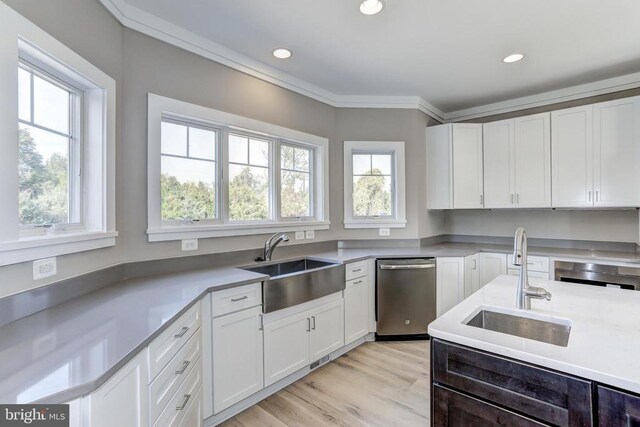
[475,264]
[181,406]
[239,299]
[358,282]
[182,332]
[597,195]
[356,270]
[308,325]
[313,328]
[482,199]
[589,195]
[183,368]
[406,267]
[517,198]
[261,327]
[512,198]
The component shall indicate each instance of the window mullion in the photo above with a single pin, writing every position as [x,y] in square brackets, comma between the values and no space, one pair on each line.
[224,176]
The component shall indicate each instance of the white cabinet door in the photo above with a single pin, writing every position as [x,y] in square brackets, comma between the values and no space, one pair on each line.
[491,266]
[467,166]
[532,164]
[616,142]
[449,283]
[327,329]
[237,357]
[286,346]
[356,309]
[499,168]
[439,171]
[471,274]
[123,400]
[572,154]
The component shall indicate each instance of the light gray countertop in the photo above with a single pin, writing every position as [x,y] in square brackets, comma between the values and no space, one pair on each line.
[69,350]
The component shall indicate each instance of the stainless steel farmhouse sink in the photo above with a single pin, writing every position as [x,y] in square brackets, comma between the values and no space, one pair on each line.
[549,331]
[296,281]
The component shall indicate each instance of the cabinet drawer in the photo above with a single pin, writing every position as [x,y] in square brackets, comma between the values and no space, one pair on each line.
[235,299]
[355,270]
[165,385]
[193,413]
[548,396]
[356,282]
[616,408]
[452,409]
[179,403]
[169,342]
[532,274]
[535,263]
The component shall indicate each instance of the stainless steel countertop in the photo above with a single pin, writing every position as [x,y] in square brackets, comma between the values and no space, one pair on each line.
[69,350]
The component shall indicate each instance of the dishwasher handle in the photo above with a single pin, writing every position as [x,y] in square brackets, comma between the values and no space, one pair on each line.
[406,266]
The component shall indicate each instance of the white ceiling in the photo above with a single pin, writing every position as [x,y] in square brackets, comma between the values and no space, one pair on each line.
[447,52]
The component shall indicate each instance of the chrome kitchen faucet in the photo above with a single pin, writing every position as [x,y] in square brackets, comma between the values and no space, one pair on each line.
[525,292]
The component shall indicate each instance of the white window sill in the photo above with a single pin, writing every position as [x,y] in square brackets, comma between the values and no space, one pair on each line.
[169,233]
[375,223]
[37,247]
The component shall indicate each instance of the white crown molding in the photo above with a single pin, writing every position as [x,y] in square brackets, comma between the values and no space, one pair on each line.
[153,26]
[615,84]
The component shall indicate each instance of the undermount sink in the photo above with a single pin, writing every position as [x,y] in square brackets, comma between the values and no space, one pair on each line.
[547,330]
[296,281]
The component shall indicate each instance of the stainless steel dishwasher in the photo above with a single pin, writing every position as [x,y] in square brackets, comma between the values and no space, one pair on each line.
[405,297]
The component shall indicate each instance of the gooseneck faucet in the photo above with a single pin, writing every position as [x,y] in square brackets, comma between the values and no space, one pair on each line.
[525,292]
[270,244]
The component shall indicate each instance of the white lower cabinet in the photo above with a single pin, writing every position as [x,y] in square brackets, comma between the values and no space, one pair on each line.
[491,266]
[178,407]
[449,282]
[237,357]
[356,309]
[123,399]
[471,274]
[292,343]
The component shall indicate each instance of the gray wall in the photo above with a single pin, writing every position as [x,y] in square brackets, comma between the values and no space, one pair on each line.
[141,64]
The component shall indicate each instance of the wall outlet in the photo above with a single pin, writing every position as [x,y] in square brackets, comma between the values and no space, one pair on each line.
[44,268]
[299,235]
[190,245]
[385,232]
[310,234]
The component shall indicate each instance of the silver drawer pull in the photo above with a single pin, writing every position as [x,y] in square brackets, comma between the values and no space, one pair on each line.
[182,332]
[356,270]
[405,267]
[184,367]
[239,299]
[358,282]
[184,402]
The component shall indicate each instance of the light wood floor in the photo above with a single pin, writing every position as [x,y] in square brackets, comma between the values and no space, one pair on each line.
[376,384]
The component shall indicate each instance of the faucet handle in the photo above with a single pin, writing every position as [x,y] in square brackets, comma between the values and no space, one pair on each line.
[548,296]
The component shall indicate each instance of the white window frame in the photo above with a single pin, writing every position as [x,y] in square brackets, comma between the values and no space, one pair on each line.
[35,46]
[396,148]
[312,189]
[159,106]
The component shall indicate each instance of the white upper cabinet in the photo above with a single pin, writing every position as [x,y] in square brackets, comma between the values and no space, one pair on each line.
[533,161]
[572,153]
[616,153]
[467,166]
[499,170]
[454,166]
[517,162]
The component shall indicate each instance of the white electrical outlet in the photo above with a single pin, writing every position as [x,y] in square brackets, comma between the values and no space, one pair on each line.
[385,232]
[299,235]
[310,234]
[190,244]
[44,268]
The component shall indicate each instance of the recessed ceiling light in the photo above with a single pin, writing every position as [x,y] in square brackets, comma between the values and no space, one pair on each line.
[515,57]
[371,7]
[282,53]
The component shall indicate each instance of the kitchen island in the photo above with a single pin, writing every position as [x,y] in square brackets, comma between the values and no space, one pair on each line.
[479,374]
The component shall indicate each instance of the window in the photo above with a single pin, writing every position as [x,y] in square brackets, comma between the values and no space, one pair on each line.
[245,177]
[57,138]
[295,181]
[249,178]
[374,184]
[188,172]
[49,150]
